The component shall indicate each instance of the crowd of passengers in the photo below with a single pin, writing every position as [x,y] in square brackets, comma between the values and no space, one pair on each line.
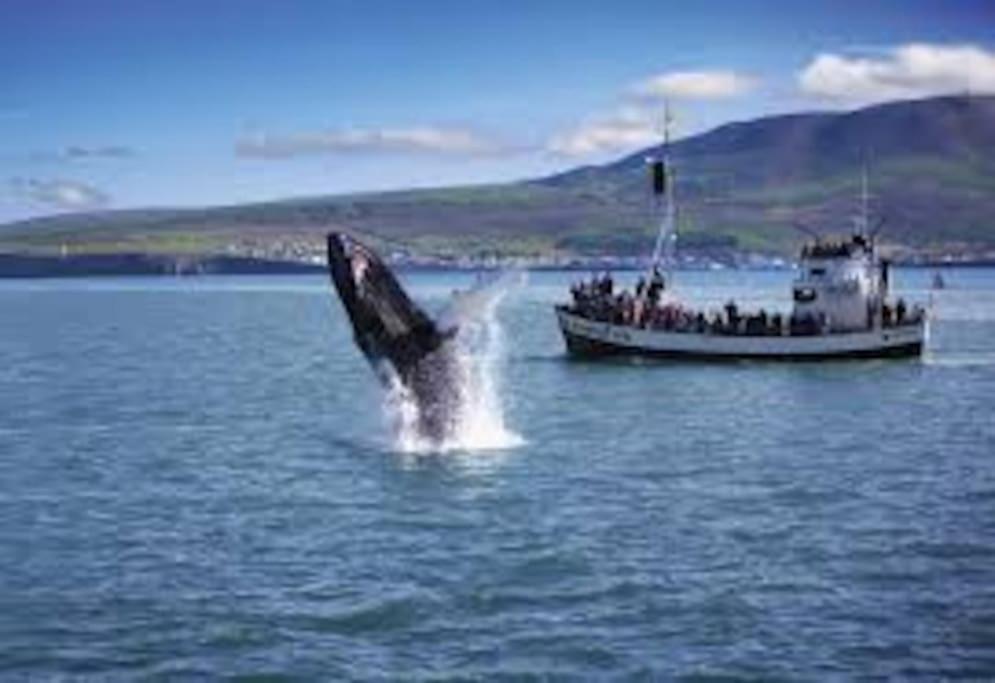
[597,300]
[836,248]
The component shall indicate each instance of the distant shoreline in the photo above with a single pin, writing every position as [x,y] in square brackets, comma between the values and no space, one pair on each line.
[97,265]
[25,266]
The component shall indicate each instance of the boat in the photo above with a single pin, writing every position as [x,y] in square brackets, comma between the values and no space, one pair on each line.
[938,281]
[842,305]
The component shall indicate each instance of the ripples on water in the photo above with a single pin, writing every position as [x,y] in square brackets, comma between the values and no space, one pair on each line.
[195,482]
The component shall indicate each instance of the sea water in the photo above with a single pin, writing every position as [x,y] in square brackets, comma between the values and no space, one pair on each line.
[197,481]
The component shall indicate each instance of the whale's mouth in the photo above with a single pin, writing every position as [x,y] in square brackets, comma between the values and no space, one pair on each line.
[359,266]
[356,255]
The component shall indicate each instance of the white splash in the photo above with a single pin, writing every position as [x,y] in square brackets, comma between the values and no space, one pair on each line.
[480,355]
[401,413]
[942,358]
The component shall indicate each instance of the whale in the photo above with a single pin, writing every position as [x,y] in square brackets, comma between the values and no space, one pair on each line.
[406,348]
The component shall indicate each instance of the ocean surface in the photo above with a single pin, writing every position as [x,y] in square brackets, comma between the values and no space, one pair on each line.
[199,481]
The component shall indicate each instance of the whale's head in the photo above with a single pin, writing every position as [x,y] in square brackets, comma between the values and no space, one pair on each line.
[386,324]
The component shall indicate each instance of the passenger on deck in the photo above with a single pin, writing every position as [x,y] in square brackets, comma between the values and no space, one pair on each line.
[606,285]
[715,324]
[732,316]
[627,308]
[656,286]
[639,311]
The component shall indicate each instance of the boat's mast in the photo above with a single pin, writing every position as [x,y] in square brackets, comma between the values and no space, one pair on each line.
[878,267]
[864,200]
[663,249]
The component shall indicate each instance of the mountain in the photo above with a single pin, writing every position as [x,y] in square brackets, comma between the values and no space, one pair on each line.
[742,185]
[932,165]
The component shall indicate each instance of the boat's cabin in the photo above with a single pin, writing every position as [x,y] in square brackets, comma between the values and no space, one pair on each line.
[841,284]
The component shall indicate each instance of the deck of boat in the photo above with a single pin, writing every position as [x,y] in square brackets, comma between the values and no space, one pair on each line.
[593,339]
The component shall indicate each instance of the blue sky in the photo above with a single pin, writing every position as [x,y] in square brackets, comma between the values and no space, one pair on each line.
[136,103]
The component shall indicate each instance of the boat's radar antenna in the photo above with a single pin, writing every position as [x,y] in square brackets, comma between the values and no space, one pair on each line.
[862,218]
[862,221]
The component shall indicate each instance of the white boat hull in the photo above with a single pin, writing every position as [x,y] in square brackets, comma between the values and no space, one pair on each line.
[589,338]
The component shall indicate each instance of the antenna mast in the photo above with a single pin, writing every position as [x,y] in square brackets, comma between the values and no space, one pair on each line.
[864,222]
[663,192]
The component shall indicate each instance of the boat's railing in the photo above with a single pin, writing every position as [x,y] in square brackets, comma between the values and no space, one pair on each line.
[598,301]
[758,324]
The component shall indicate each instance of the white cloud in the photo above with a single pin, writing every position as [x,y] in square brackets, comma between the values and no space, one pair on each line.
[83,153]
[904,72]
[638,124]
[696,85]
[59,194]
[627,129]
[96,152]
[429,140]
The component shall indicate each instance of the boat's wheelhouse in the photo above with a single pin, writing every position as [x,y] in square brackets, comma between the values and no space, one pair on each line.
[840,284]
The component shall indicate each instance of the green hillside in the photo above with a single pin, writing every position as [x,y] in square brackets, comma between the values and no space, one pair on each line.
[741,186]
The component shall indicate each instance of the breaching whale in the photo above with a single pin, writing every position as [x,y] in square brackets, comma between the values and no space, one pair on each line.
[401,342]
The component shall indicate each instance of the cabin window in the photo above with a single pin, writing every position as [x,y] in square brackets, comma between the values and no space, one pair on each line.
[817,272]
[804,295]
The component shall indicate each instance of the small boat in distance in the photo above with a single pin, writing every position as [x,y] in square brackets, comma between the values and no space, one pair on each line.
[841,305]
[938,281]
